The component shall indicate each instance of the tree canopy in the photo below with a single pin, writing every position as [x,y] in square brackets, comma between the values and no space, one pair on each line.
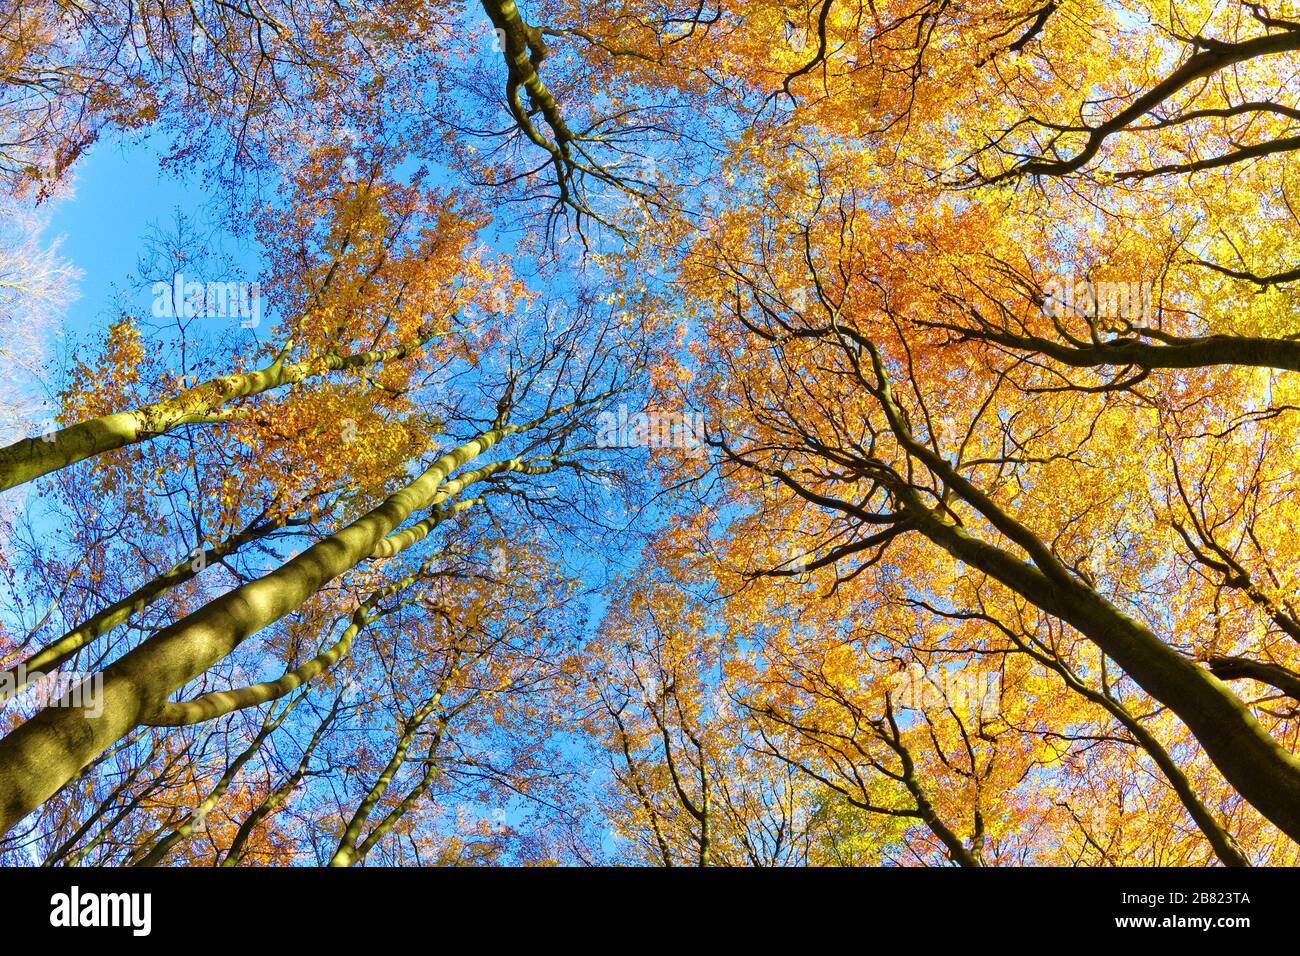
[815,433]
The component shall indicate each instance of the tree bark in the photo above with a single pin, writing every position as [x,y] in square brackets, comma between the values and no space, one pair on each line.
[39,756]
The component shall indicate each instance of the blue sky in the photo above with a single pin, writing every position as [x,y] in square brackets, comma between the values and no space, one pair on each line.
[120,192]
